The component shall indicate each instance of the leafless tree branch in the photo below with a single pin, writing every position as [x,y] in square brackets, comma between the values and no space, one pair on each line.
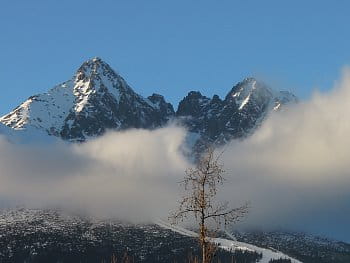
[201,184]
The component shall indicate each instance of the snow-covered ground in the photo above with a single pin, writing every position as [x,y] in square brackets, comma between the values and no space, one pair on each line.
[231,245]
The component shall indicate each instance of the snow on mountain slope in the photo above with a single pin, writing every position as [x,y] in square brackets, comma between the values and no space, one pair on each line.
[27,136]
[254,94]
[237,116]
[95,76]
[45,111]
[243,92]
[95,99]
[231,245]
[105,101]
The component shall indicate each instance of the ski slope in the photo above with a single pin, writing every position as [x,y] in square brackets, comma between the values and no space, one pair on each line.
[231,245]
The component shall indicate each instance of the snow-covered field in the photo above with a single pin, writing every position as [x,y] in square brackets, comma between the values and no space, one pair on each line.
[231,245]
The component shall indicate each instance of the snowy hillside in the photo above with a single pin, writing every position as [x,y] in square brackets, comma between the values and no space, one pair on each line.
[232,245]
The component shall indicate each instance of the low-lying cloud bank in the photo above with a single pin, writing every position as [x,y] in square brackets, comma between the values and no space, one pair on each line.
[296,167]
[294,170]
[131,175]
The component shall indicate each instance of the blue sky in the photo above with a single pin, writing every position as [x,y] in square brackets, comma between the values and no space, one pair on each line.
[172,47]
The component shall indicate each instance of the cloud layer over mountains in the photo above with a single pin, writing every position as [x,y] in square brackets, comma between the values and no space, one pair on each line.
[130,175]
[294,170]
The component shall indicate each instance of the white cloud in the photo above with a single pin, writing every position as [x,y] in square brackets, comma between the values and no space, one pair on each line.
[294,170]
[129,175]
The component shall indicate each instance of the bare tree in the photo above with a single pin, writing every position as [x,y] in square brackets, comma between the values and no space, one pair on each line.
[201,185]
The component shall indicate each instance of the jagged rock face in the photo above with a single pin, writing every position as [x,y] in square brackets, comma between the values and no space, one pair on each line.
[94,100]
[97,99]
[105,101]
[202,115]
[242,110]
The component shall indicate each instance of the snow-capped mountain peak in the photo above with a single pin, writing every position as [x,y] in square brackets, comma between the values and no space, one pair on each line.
[250,91]
[96,76]
[97,98]
[104,100]
[244,88]
[247,90]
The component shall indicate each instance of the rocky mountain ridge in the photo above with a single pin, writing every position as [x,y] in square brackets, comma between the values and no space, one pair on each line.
[94,100]
[97,99]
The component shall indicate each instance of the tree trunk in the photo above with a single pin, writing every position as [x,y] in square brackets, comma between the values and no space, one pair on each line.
[203,253]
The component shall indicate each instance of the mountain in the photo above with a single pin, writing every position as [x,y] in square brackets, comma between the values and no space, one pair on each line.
[97,99]
[94,100]
[236,116]
[35,236]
